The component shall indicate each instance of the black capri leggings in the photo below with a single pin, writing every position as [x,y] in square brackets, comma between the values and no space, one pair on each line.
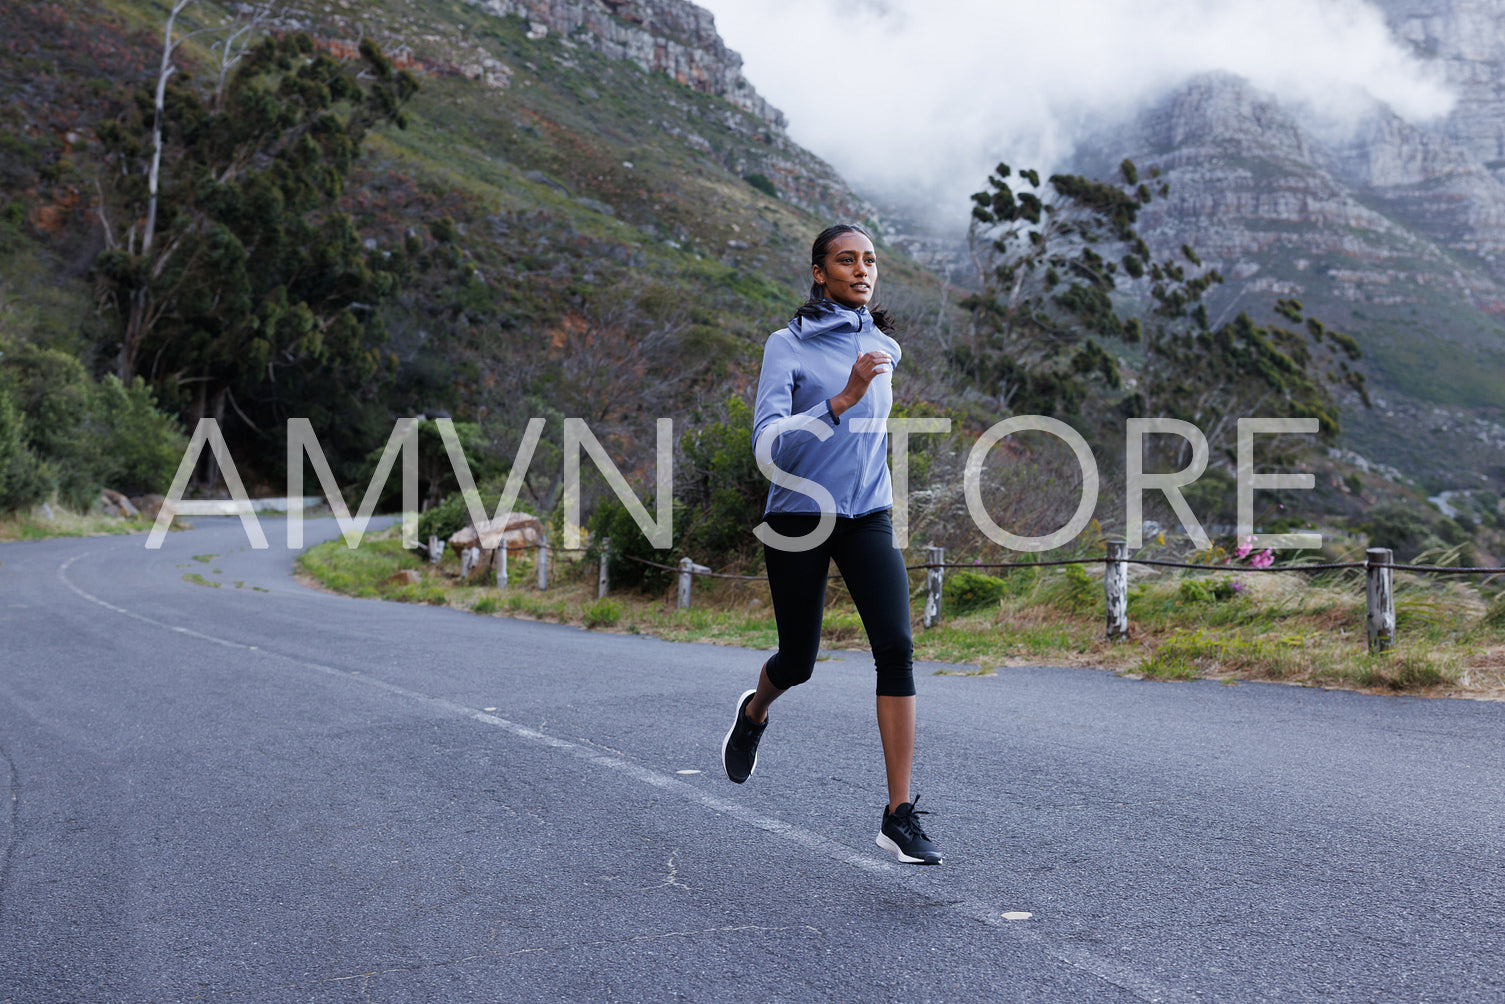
[864,552]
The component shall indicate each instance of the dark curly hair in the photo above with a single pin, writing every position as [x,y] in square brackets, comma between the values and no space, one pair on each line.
[816,304]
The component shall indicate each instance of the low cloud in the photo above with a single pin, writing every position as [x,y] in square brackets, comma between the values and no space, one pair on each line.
[915,101]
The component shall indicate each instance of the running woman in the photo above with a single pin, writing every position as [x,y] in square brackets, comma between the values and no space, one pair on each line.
[824,397]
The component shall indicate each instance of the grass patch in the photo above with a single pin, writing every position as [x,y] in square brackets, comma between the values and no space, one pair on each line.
[66,523]
[199,580]
[602,613]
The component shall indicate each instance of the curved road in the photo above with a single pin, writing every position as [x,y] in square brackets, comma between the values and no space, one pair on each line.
[256,792]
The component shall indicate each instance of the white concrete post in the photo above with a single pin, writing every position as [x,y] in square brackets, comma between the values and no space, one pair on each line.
[1116,589]
[934,579]
[543,564]
[685,578]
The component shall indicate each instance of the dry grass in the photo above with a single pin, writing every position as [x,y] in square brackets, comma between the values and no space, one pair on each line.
[66,523]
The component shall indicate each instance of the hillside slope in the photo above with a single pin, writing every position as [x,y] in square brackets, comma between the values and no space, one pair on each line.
[610,219]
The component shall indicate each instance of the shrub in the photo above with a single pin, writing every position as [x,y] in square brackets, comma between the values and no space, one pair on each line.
[761,182]
[612,520]
[721,488]
[1076,590]
[602,613]
[53,392]
[94,434]
[142,447]
[1208,590]
[965,591]
[1194,591]
[1400,527]
[453,515]
[24,480]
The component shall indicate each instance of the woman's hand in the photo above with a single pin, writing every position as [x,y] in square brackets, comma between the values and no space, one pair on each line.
[867,366]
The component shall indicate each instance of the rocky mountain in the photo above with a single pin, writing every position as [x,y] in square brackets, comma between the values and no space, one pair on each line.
[1392,230]
[670,37]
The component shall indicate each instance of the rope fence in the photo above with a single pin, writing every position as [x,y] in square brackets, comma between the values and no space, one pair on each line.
[1378,566]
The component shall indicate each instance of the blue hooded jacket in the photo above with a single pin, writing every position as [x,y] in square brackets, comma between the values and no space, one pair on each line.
[804,366]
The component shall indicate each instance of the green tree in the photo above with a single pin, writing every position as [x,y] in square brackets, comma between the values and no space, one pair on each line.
[245,285]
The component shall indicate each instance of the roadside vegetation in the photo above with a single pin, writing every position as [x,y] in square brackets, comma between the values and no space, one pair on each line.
[34,524]
[1228,623]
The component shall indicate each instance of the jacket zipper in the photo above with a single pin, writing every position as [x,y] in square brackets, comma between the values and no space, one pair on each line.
[861,455]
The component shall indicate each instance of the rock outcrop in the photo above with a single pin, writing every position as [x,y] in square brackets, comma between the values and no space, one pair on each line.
[679,39]
[672,36]
[1465,40]
[1262,200]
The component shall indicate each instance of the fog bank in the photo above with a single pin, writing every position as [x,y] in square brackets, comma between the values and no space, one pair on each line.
[914,101]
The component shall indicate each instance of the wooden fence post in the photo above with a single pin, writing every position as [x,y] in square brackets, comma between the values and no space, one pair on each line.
[603,584]
[1116,589]
[469,559]
[1380,597]
[934,578]
[543,564]
[436,549]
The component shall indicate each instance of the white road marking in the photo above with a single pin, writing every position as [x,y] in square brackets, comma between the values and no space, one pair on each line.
[912,877]
[677,772]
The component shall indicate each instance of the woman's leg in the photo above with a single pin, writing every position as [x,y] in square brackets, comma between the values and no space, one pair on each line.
[797,587]
[896,718]
[797,584]
[874,572]
[766,694]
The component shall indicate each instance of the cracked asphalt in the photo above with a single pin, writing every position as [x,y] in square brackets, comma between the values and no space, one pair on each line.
[252,791]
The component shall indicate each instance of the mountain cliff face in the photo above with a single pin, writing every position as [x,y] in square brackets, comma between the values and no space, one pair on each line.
[679,39]
[1392,230]
[1465,40]
[672,37]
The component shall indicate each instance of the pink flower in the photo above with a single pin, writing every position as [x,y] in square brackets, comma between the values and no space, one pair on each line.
[1245,545]
[1263,559]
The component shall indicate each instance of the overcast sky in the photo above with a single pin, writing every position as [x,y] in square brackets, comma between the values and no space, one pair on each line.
[921,98]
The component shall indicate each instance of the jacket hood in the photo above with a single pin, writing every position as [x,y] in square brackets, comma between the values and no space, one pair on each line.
[832,318]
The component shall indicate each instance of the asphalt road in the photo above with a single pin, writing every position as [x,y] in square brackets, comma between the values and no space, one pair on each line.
[258,792]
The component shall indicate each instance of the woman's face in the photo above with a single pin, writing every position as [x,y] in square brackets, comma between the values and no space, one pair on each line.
[850,270]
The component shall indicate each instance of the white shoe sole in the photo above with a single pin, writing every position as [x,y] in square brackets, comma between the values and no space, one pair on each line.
[888,845]
[737,714]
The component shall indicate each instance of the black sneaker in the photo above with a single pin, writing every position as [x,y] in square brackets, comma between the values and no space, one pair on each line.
[901,834]
[739,750]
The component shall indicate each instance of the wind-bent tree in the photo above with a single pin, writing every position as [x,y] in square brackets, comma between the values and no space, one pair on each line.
[1063,272]
[231,273]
